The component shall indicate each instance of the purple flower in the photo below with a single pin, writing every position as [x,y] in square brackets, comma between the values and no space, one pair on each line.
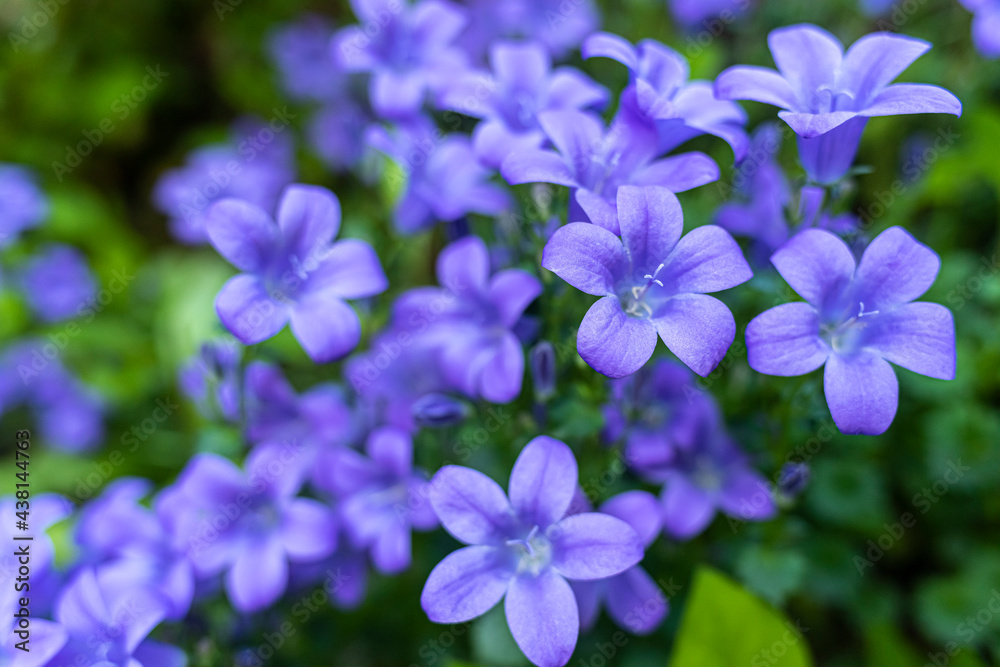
[828,96]
[632,598]
[301,52]
[522,85]
[57,283]
[985,26]
[692,13]
[406,47]
[556,24]
[337,133]
[596,164]
[246,524]
[659,94]
[382,496]
[22,203]
[651,281]
[211,379]
[128,545]
[438,410]
[292,272]
[524,549]
[856,319]
[255,165]
[708,474]
[444,179]
[471,320]
[106,628]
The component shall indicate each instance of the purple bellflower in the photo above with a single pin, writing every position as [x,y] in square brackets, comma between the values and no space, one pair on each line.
[857,317]
[407,48]
[659,94]
[444,180]
[595,163]
[522,85]
[557,25]
[985,26]
[211,378]
[524,548]
[474,316]
[109,629]
[254,166]
[632,598]
[22,204]
[827,96]
[650,281]
[381,496]
[246,524]
[57,283]
[292,272]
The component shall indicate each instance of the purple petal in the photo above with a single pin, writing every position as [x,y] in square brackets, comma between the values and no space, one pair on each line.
[785,341]
[697,328]
[155,654]
[349,269]
[588,600]
[895,269]
[569,88]
[511,292]
[397,95]
[635,602]
[599,211]
[391,552]
[687,509]
[524,63]
[242,233]
[706,259]
[908,98]
[542,615]
[862,393]
[815,263]
[47,638]
[917,336]
[537,166]
[586,256]
[875,60]
[745,82]
[308,530]
[494,142]
[471,506]
[746,495]
[651,222]
[594,546]
[543,481]
[679,173]
[81,608]
[466,584]
[309,217]
[437,22]
[810,125]
[327,328]
[248,312]
[807,56]
[502,376]
[829,156]
[613,343]
[464,266]
[639,509]
[392,450]
[575,134]
[258,577]
[607,45]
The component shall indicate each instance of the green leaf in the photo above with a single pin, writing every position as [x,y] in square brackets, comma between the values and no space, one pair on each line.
[725,625]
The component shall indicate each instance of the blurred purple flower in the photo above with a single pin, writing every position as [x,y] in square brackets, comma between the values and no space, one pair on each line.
[828,96]
[57,283]
[556,24]
[857,317]
[793,478]
[659,95]
[444,180]
[407,48]
[522,85]
[337,133]
[985,26]
[382,497]
[301,52]
[472,319]
[22,203]
[255,165]
[596,163]
[692,13]
[211,379]
[524,549]
[45,510]
[438,410]
[293,272]
[247,524]
[650,281]
[632,598]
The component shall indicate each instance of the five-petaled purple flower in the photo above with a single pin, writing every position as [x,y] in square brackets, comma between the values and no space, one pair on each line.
[524,548]
[522,85]
[57,283]
[828,96]
[650,281]
[293,272]
[856,319]
[596,163]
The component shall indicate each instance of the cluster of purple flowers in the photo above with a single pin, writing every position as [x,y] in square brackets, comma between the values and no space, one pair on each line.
[329,483]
